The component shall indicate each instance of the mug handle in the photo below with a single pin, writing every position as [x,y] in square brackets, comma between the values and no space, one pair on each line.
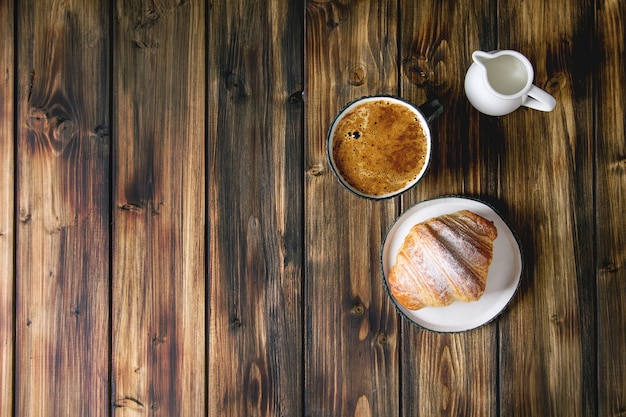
[539,100]
[431,109]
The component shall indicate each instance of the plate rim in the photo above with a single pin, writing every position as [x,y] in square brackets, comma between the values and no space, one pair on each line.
[444,197]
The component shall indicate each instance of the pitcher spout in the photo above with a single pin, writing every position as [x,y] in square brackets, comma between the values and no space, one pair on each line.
[481,57]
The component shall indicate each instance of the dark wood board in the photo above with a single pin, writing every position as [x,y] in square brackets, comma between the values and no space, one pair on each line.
[351,329]
[255,208]
[173,241]
[450,374]
[610,221]
[158,361]
[547,336]
[62,224]
[7,205]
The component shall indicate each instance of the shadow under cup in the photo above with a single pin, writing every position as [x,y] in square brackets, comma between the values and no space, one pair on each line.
[378,147]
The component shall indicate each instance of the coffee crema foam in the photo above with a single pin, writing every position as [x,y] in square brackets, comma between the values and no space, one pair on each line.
[379,147]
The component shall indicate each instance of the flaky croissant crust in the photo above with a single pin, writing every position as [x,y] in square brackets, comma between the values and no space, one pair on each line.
[442,260]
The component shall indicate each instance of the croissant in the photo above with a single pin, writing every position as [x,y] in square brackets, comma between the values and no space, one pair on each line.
[442,260]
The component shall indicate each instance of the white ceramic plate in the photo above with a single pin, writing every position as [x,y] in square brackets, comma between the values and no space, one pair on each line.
[502,281]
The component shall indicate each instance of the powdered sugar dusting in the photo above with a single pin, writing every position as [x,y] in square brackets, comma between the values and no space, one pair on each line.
[440,260]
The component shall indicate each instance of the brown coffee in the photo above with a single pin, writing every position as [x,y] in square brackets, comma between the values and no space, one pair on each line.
[380,146]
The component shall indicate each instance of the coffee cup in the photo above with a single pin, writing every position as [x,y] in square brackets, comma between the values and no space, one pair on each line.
[380,146]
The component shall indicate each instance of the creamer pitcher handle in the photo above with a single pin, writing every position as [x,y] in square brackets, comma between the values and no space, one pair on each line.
[539,100]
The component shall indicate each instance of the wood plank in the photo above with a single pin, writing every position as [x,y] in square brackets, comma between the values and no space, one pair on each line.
[158,288]
[62,270]
[611,206]
[255,201]
[351,329]
[7,206]
[450,374]
[548,338]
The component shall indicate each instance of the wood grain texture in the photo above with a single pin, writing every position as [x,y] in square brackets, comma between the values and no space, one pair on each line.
[351,335]
[255,205]
[158,281]
[438,39]
[173,243]
[449,374]
[611,207]
[7,205]
[548,336]
[62,270]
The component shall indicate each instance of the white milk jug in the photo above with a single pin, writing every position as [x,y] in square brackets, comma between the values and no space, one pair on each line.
[499,82]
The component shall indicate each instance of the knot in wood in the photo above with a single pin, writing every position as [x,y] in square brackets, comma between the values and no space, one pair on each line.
[417,70]
[610,267]
[235,83]
[129,403]
[64,131]
[358,309]
[129,206]
[233,80]
[556,319]
[557,82]
[315,170]
[25,217]
[297,97]
[148,19]
[235,323]
[102,132]
[145,43]
[336,12]
[356,75]
[38,120]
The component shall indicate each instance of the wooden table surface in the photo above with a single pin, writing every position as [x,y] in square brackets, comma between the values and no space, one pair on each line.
[173,243]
